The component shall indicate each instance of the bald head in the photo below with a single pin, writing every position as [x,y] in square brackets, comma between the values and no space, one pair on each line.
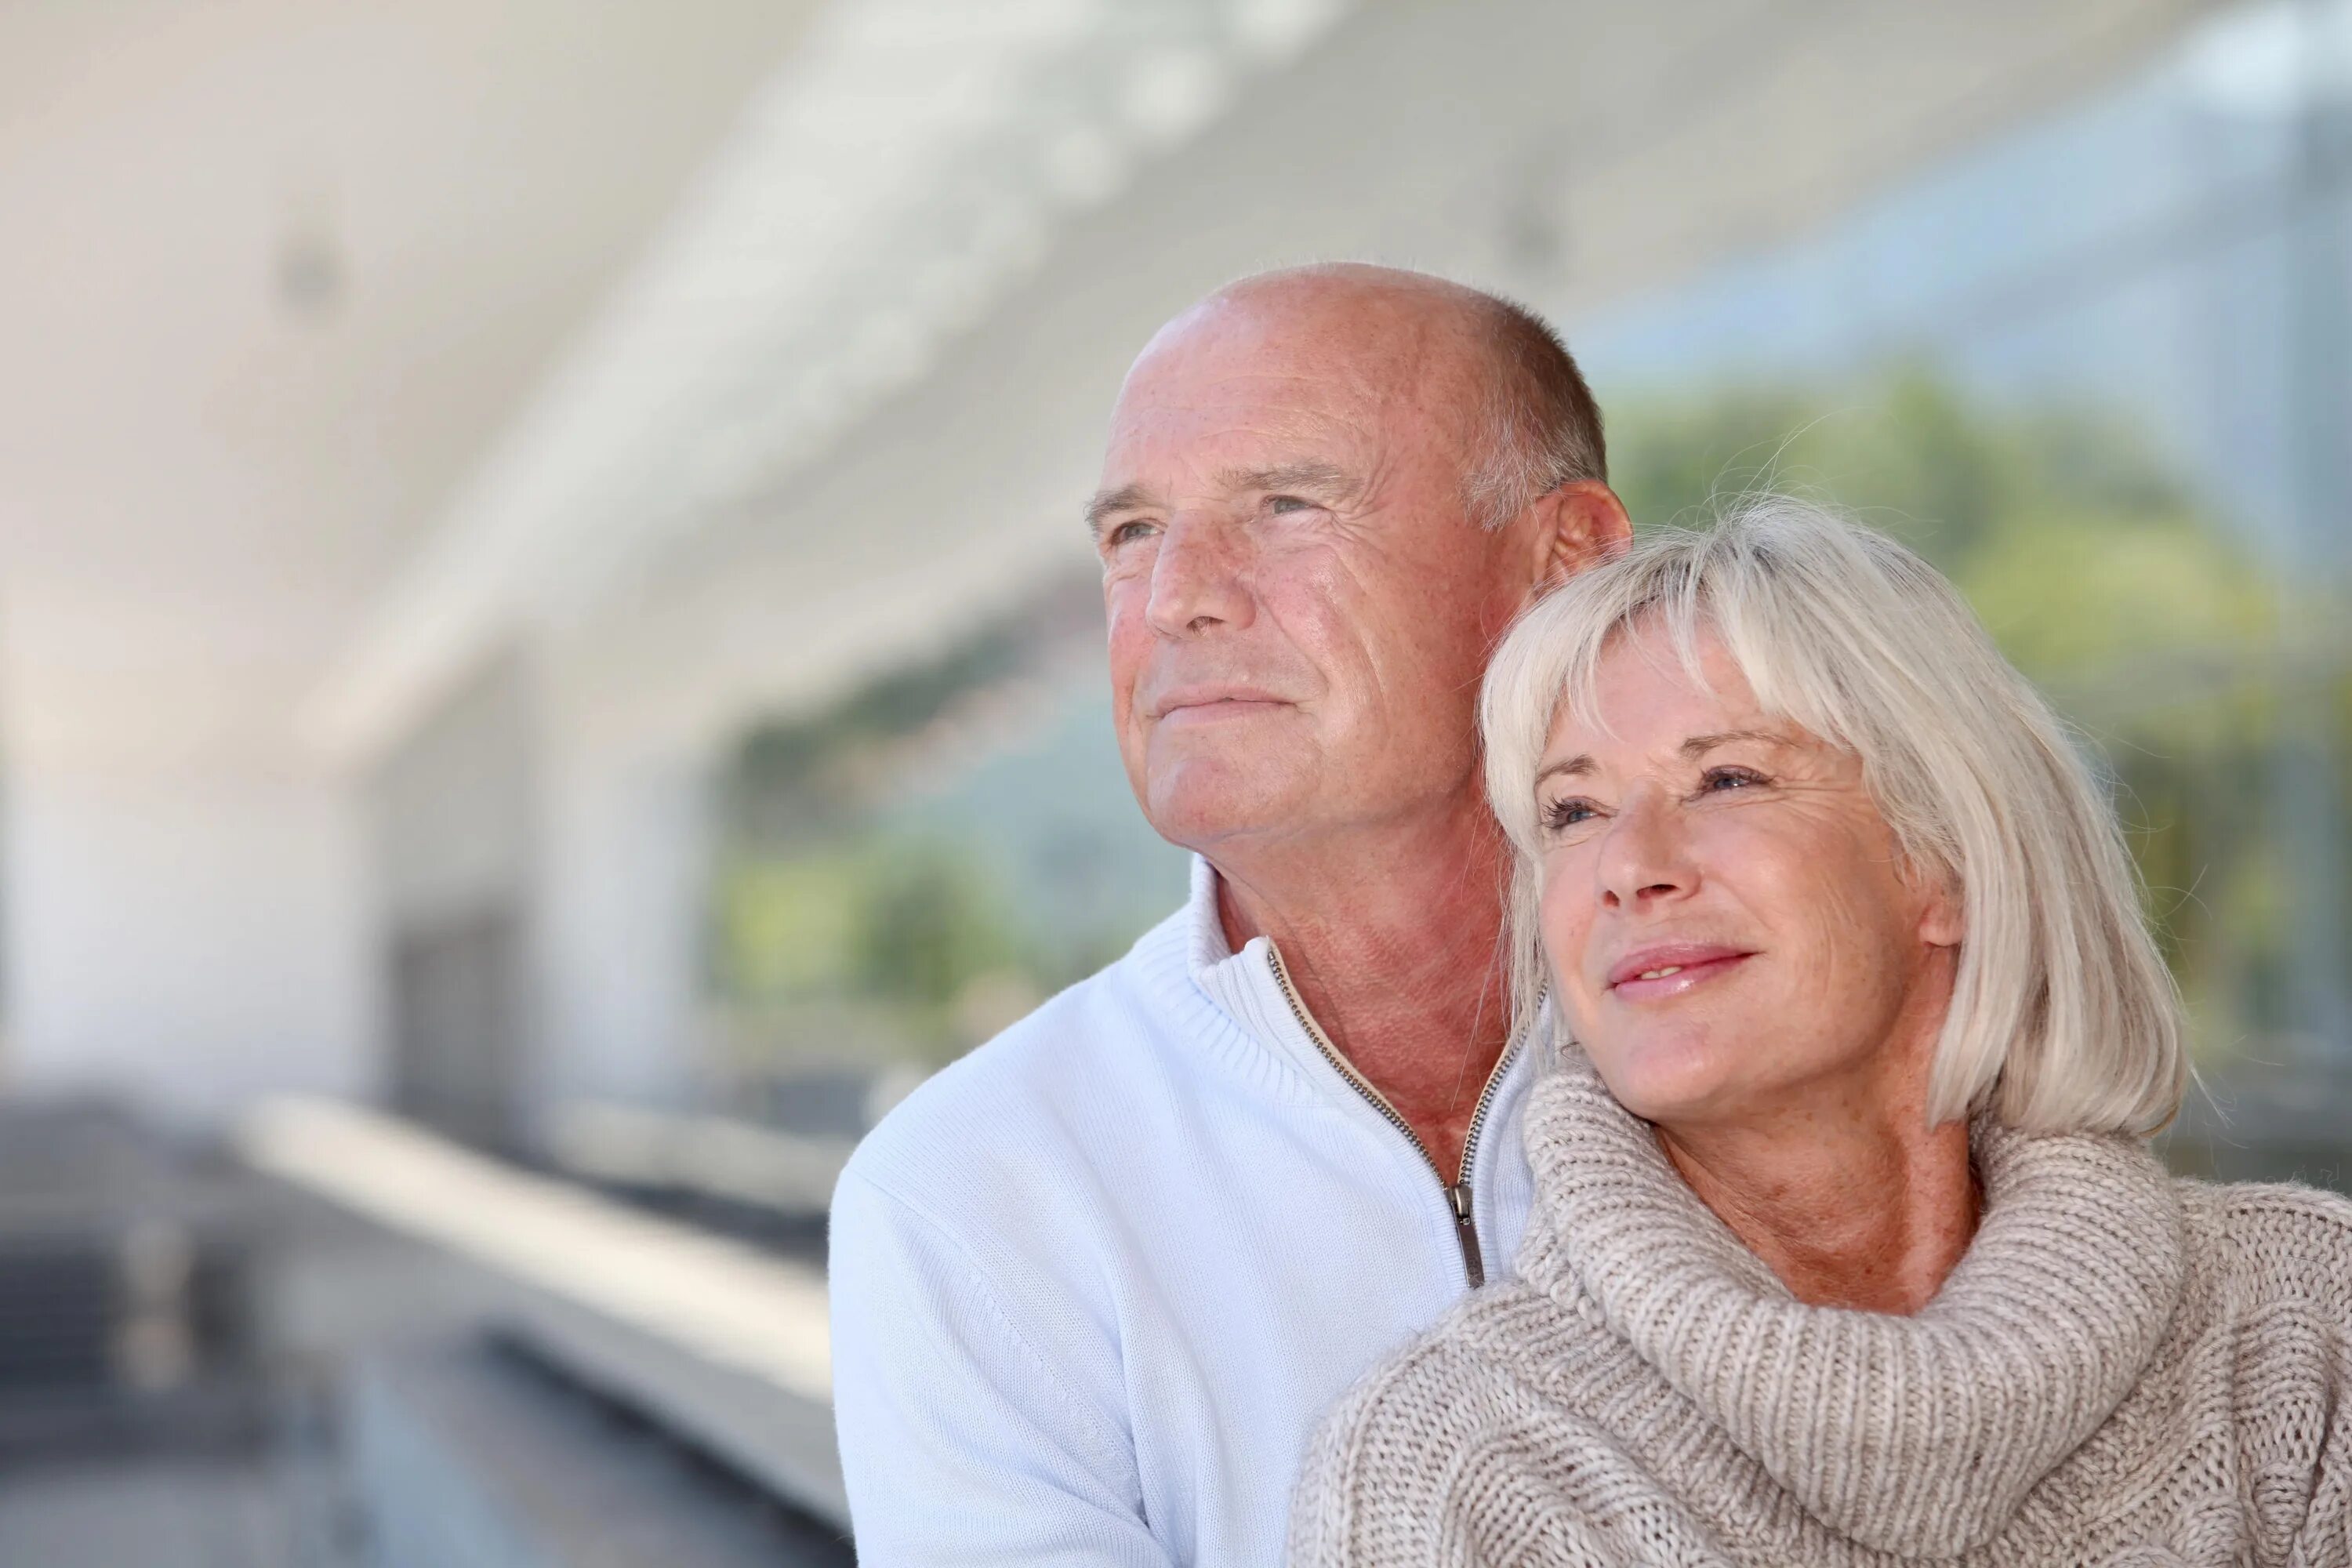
[1496,378]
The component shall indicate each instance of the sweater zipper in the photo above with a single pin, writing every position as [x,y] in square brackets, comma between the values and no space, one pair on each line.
[1457,1194]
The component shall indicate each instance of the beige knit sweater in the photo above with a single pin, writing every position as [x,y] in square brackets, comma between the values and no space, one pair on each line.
[2123,1370]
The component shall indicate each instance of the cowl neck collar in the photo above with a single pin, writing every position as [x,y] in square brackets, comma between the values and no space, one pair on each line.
[1918,1436]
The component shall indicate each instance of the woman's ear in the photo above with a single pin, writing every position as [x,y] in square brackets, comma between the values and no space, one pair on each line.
[1579,524]
[1943,922]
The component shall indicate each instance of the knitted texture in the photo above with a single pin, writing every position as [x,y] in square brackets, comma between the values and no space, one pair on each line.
[2123,1369]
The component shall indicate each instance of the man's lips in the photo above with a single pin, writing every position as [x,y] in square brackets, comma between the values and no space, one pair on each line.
[1209,703]
[1669,969]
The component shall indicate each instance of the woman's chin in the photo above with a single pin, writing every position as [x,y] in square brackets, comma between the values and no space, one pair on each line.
[1667,1080]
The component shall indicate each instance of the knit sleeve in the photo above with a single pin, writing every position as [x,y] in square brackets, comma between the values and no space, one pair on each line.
[2326,1534]
[1319,1507]
[1424,1463]
[2292,1251]
[1372,1493]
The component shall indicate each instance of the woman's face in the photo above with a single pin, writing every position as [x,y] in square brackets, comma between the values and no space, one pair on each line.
[1730,928]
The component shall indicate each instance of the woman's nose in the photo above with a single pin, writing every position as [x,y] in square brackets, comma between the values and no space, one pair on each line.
[1644,857]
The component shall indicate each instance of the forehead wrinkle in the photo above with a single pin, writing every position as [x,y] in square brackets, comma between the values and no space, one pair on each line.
[1303,405]
[1391,371]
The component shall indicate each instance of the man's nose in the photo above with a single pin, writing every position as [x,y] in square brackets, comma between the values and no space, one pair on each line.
[1645,856]
[1200,578]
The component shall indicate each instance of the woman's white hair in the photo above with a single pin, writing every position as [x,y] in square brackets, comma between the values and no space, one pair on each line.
[2064,1017]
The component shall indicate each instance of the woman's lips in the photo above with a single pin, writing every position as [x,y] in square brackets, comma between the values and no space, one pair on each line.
[1653,977]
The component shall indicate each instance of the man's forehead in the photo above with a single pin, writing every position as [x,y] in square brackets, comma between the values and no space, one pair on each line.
[1221,437]
[1240,408]
[1262,384]
[1211,373]
[1321,327]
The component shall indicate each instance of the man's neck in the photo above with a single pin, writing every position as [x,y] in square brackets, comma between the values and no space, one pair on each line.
[1392,941]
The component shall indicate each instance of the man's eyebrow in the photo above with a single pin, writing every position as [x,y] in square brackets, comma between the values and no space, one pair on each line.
[1127,498]
[1699,745]
[1326,478]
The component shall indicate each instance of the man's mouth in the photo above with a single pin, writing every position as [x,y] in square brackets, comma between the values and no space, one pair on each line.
[1209,704]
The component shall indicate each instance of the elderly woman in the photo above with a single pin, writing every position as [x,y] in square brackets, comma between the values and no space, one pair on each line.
[1847,1247]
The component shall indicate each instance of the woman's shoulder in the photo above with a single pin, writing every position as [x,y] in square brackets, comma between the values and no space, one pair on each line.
[2274,1243]
[2274,1271]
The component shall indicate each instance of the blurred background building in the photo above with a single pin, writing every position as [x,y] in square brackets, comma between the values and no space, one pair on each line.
[542,613]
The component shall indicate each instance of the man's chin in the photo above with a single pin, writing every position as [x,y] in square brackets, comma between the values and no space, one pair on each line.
[1200,811]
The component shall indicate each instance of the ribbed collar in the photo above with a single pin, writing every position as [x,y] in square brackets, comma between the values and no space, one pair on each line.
[1243,985]
[1203,925]
[1918,1436]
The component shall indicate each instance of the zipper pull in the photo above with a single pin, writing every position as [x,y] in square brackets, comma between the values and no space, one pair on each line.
[1465,1231]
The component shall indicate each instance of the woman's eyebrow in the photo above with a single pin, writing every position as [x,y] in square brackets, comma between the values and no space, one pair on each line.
[1574,767]
[1699,745]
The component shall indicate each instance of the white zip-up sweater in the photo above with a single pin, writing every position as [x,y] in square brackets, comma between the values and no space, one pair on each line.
[1094,1285]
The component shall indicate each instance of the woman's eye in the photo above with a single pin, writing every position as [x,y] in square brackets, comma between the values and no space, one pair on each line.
[1567,813]
[1720,779]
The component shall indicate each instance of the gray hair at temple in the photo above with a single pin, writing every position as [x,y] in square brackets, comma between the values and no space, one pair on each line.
[1540,425]
[2064,1017]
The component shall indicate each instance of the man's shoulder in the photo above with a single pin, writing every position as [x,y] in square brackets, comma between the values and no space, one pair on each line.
[1025,1096]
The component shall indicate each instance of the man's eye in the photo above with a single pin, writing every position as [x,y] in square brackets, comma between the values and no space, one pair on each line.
[1288,503]
[1127,533]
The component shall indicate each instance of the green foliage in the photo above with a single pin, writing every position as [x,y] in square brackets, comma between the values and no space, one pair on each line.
[789,925]
[930,926]
[806,777]
[898,934]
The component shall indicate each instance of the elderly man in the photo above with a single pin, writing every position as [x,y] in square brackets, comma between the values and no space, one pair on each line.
[1093,1285]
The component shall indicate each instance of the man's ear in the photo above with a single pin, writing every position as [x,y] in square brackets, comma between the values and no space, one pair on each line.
[1580,524]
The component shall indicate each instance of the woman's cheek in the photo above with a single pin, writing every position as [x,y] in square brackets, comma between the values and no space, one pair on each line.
[1566,917]
[1566,899]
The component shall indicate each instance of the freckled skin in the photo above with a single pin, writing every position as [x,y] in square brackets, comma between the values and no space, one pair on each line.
[1790,1088]
[1343,814]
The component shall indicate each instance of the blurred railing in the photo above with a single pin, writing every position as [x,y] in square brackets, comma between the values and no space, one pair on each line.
[713,1157]
[721,1345]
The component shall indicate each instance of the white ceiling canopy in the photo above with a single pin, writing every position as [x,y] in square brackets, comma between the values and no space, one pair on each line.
[907,166]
